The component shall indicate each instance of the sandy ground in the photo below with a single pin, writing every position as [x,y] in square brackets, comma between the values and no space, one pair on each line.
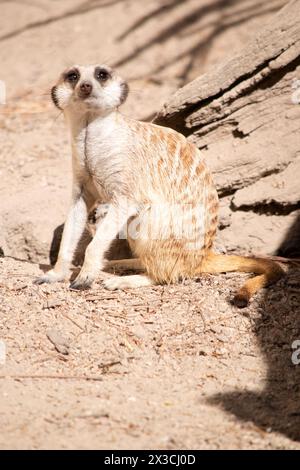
[163,367]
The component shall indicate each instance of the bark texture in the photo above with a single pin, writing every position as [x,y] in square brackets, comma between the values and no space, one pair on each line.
[245,117]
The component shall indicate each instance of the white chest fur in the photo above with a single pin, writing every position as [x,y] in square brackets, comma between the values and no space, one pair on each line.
[99,148]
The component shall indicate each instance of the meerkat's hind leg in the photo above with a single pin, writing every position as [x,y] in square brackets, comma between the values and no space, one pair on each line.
[130,263]
[127,282]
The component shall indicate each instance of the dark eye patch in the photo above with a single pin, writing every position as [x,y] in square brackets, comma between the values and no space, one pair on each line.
[102,74]
[72,76]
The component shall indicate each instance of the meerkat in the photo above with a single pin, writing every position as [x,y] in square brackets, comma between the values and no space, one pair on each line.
[155,186]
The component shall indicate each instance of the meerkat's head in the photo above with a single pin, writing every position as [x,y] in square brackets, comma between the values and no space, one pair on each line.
[89,88]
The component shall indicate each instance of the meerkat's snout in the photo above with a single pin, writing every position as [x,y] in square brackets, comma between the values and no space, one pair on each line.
[85,89]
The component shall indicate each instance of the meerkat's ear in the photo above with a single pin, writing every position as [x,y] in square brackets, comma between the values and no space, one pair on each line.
[124,92]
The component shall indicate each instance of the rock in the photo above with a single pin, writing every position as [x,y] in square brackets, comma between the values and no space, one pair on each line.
[61,344]
[244,117]
[279,190]
[256,233]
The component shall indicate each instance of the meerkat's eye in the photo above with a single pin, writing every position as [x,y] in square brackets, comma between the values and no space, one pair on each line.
[72,76]
[102,75]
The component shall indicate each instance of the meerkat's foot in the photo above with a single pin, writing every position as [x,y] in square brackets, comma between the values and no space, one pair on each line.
[50,277]
[127,282]
[82,282]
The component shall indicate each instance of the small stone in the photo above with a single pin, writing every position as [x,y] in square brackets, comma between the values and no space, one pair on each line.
[60,343]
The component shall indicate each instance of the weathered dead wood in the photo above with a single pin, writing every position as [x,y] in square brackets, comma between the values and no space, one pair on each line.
[241,113]
[244,116]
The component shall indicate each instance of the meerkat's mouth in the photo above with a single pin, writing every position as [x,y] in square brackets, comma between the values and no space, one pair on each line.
[87,99]
[83,97]
[90,102]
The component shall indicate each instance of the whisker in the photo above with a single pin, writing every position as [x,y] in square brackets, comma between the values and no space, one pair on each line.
[55,118]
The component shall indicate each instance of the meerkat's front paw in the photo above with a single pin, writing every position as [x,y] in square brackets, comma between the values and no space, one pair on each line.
[50,277]
[82,282]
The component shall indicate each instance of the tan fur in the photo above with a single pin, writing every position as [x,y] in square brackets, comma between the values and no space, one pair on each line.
[268,271]
[162,178]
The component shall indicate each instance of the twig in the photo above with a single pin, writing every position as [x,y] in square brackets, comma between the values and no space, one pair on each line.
[93,298]
[73,321]
[106,366]
[59,377]
[203,319]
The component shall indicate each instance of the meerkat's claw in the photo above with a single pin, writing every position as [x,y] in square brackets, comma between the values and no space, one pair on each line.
[76,286]
[81,284]
[41,280]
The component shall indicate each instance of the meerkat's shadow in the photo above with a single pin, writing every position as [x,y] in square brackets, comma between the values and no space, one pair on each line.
[277,406]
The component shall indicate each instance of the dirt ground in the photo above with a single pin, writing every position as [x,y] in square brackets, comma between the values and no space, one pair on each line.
[169,367]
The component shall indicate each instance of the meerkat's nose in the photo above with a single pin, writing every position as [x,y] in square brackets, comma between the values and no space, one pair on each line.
[85,88]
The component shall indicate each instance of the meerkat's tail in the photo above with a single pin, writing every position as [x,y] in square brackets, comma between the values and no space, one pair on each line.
[268,272]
